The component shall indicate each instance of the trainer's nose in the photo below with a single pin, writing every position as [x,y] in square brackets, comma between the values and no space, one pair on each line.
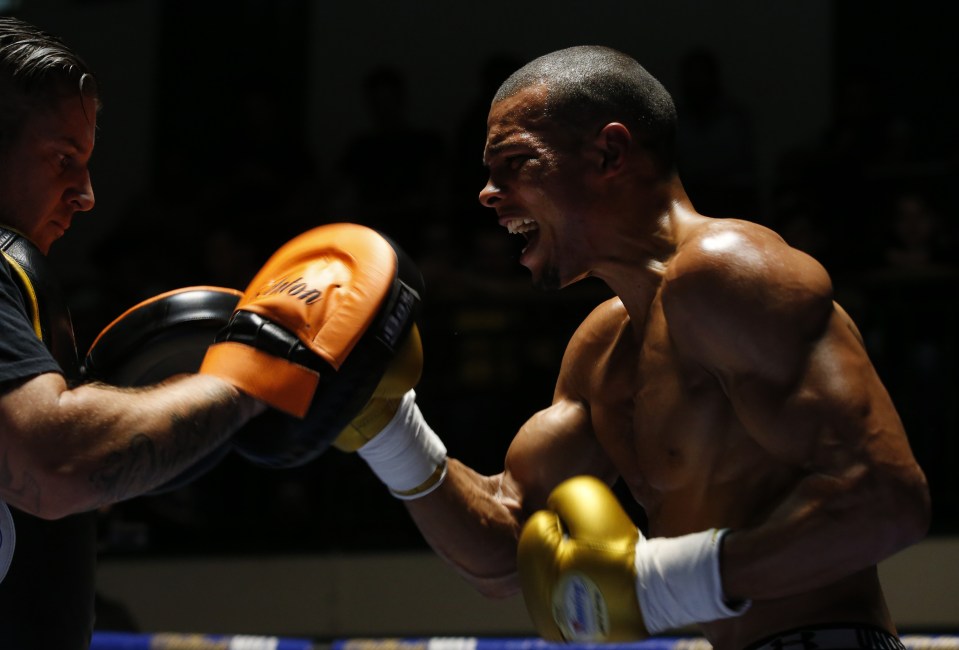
[80,195]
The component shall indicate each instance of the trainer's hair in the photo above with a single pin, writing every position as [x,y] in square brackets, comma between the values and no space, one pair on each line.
[37,69]
[588,86]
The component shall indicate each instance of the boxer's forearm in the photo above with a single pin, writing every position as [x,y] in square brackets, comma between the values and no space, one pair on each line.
[473,524]
[470,520]
[829,528]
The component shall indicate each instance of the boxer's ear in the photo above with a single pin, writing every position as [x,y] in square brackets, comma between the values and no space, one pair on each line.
[614,143]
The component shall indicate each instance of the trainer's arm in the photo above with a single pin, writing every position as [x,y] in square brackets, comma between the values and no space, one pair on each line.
[71,450]
[761,318]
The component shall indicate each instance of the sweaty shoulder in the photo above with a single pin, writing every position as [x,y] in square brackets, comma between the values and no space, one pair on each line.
[592,342]
[602,327]
[736,292]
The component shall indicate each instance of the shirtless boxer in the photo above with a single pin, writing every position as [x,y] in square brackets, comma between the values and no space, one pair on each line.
[723,385]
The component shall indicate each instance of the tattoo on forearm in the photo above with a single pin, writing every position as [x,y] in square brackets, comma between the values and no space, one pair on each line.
[149,461]
[27,487]
[125,471]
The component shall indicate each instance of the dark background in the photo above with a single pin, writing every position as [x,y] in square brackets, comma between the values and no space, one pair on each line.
[230,127]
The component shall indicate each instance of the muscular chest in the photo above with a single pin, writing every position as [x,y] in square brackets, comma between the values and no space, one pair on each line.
[663,420]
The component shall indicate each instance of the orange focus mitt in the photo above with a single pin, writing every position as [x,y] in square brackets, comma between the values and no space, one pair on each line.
[313,335]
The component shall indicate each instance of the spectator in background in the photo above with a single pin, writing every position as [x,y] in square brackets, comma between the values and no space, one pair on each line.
[392,174]
[917,241]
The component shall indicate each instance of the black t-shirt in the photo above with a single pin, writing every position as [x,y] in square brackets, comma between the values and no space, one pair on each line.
[22,353]
[47,597]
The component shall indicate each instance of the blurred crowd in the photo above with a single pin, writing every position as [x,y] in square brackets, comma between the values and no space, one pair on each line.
[870,198]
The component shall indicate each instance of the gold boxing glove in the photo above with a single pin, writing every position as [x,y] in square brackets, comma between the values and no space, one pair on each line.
[589,575]
[402,375]
[576,566]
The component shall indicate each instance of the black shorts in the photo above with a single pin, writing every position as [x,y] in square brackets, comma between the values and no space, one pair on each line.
[831,637]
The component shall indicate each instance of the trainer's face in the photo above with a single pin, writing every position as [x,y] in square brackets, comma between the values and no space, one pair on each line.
[44,174]
[538,187]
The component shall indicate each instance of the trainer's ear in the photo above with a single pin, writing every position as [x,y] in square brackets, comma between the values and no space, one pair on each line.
[614,142]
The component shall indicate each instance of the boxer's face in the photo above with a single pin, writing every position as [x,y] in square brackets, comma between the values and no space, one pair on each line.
[539,187]
[44,175]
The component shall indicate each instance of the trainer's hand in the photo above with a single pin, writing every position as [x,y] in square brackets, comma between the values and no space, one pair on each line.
[589,575]
[313,335]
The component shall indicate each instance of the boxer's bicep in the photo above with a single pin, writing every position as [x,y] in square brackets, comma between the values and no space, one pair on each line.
[474,520]
[559,441]
[553,445]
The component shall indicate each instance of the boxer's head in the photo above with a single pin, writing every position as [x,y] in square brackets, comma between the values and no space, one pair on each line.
[573,138]
[588,87]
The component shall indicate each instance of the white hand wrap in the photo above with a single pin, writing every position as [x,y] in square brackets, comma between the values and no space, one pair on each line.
[407,455]
[678,581]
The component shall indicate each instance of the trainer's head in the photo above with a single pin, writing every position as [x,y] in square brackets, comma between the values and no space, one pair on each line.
[37,70]
[48,116]
[590,86]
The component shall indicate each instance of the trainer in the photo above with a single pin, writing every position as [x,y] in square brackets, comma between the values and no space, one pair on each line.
[286,364]
[722,385]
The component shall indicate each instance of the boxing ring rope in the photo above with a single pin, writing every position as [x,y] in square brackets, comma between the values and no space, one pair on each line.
[170,641]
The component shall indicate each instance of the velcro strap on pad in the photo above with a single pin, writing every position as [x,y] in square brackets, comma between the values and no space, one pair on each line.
[286,385]
[304,313]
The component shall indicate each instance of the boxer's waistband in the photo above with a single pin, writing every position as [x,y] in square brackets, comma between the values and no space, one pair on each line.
[831,637]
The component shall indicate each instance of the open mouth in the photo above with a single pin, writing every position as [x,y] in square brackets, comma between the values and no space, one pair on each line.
[521,225]
[528,228]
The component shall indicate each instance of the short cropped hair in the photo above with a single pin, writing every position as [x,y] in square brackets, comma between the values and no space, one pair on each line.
[36,71]
[590,85]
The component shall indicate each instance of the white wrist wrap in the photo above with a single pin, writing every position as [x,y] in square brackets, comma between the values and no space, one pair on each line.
[407,455]
[678,581]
